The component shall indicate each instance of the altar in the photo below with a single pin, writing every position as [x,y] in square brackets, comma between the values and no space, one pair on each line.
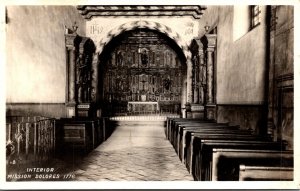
[142,107]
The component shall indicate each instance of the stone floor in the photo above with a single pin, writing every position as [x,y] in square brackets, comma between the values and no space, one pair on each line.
[136,151]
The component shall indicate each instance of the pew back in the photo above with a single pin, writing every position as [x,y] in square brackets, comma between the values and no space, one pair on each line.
[265,173]
[226,162]
[192,150]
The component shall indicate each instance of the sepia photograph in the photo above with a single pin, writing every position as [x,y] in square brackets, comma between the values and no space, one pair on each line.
[189,94]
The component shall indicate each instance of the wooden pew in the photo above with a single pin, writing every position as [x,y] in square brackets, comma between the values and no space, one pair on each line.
[265,173]
[30,141]
[188,150]
[184,133]
[171,121]
[192,151]
[172,129]
[177,133]
[212,154]
[176,128]
[175,139]
[79,133]
[181,137]
[175,123]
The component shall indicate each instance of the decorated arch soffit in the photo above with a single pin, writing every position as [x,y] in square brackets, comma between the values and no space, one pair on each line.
[147,25]
[105,23]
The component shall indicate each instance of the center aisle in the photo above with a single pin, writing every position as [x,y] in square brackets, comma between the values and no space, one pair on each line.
[136,151]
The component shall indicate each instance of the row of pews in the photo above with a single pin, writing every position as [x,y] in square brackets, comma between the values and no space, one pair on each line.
[219,151]
[38,139]
[83,134]
[29,139]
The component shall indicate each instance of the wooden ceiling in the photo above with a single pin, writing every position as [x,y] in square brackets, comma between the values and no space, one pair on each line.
[90,11]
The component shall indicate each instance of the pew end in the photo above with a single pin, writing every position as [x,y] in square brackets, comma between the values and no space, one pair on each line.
[265,173]
[226,162]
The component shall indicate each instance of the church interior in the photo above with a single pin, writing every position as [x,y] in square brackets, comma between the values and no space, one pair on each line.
[149,92]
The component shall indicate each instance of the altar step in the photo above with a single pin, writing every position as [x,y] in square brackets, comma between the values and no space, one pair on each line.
[143,118]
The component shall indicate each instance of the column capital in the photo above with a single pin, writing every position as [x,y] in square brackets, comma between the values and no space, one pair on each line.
[189,62]
[201,52]
[70,39]
[211,40]
[201,48]
[210,49]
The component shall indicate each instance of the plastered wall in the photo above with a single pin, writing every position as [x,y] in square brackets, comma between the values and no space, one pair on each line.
[35,52]
[240,68]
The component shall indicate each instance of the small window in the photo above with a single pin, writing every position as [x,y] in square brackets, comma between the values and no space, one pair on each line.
[255,15]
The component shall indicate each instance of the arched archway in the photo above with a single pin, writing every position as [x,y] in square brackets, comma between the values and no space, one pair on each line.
[147,25]
[141,71]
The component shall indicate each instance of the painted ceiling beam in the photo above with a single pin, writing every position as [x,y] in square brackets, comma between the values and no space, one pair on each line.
[89,11]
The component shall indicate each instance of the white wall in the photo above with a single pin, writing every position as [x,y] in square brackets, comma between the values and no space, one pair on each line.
[241,62]
[241,21]
[35,52]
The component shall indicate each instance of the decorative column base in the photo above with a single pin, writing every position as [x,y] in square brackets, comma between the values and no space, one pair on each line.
[71,110]
[188,110]
[84,110]
[197,111]
[211,112]
[183,112]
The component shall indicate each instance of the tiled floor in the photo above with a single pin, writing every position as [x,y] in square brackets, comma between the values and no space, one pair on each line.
[138,151]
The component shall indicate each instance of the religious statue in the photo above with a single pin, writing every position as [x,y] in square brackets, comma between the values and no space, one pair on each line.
[119,58]
[144,57]
[83,77]
[167,83]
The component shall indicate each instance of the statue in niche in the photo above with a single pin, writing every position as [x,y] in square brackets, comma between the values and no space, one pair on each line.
[119,83]
[167,83]
[83,76]
[120,58]
[93,93]
[78,66]
[144,57]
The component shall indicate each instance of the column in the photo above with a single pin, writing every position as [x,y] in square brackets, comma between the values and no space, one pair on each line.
[183,97]
[196,79]
[202,75]
[95,77]
[211,43]
[71,40]
[210,64]
[72,77]
[209,79]
[189,89]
